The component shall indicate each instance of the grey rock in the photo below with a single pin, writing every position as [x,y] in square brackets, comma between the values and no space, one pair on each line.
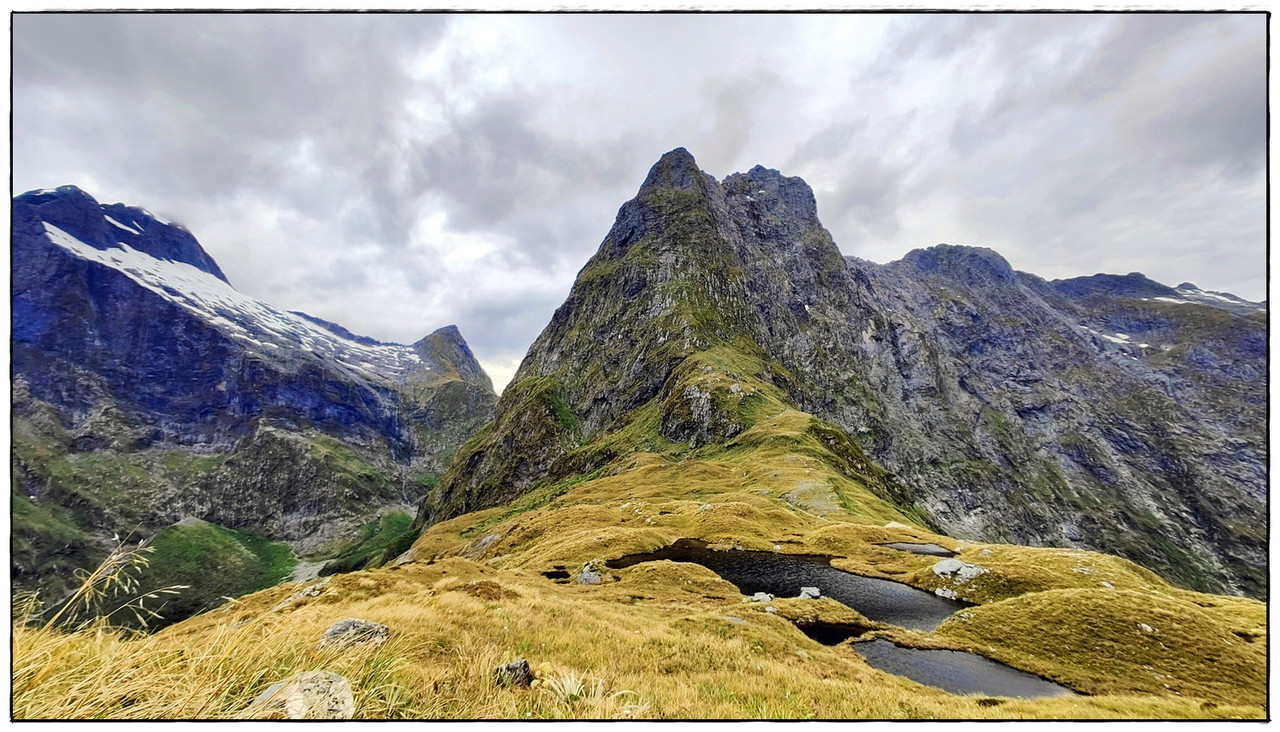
[302,596]
[771,609]
[810,593]
[308,695]
[590,575]
[515,673]
[957,570]
[946,592]
[353,631]
[762,597]
[481,545]
[926,549]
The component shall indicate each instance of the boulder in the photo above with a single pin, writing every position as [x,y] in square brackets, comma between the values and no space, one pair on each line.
[590,575]
[810,593]
[956,570]
[308,695]
[352,632]
[762,597]
[516,673]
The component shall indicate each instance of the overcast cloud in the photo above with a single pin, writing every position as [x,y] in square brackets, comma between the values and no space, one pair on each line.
[397,173]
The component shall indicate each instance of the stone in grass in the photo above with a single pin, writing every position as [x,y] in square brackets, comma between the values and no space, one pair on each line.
[810,593]
[308,695]
[590,575]
[957,570]
[352,632]
[516,673]
[762,597]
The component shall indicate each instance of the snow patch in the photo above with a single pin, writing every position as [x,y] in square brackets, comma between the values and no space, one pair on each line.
[240,316]
[119,225]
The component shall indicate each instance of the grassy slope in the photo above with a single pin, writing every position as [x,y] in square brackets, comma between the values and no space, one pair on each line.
[214,562]
[378,542]
[660,631]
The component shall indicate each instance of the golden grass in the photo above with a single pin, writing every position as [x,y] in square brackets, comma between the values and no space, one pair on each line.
[668,645]
[1151,642]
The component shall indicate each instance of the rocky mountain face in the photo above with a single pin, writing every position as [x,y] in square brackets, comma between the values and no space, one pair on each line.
[1110,413]
[148,390]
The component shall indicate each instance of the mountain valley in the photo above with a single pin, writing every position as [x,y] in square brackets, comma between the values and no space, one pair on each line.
[1075,471]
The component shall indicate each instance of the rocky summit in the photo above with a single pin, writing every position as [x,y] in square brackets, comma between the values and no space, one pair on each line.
[148,390]
[1109,413]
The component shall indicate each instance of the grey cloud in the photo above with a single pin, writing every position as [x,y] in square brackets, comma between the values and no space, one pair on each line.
[868,198]
[927,38]
[501,173]
[1216,117]
[830,142]
[211,104]
[730,104]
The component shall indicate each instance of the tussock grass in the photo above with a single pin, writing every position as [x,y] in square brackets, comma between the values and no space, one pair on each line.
[1112,641]
[644,646]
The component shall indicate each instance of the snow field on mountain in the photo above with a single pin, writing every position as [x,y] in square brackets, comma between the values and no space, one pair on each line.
[238,315]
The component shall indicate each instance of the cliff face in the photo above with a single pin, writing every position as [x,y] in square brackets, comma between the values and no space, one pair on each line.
[1109,413]
[148,390]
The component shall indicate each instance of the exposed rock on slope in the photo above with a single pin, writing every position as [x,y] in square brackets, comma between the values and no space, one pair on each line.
[147,390]
[1071,414]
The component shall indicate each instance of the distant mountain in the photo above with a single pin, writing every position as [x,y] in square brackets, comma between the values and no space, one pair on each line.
[1111,413]
[148,390]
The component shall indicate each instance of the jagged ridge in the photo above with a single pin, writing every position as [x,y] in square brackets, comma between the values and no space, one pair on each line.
[1011,408]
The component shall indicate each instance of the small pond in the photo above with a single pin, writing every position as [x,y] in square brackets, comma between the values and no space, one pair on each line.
[957,672]
[782,575]
[932,550]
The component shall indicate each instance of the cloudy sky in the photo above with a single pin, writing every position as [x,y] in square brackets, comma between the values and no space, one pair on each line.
[396,173]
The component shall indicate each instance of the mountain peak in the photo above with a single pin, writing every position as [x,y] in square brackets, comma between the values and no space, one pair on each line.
[1134,284]
[677,170]
[785,197]
[108,226]
[977,262]
[445,349]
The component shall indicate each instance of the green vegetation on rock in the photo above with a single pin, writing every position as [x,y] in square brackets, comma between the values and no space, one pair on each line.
[214,562]
[378,542]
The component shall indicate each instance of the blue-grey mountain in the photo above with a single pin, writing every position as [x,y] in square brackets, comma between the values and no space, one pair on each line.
[147,390]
